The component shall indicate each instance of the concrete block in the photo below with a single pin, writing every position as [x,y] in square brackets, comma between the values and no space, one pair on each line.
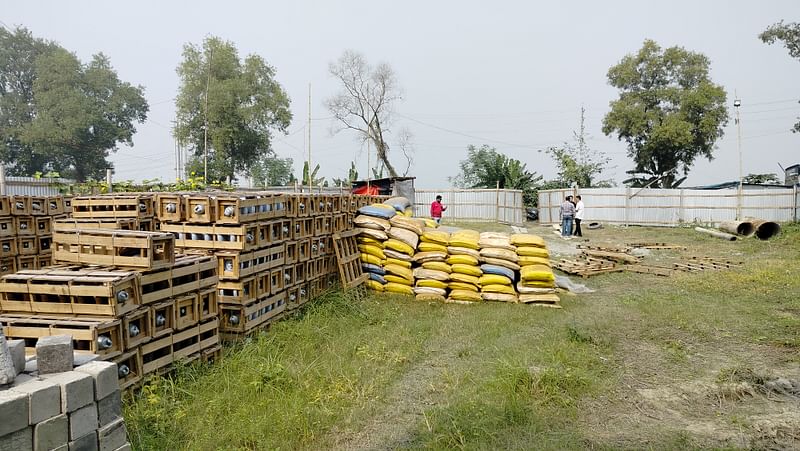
[125,447]
[13,411]
[109,408]
[77,389]
[52,433]
[7,370]
[31,366]
[82,421]
[83,358]
[17,348]
[21,440]
[45,398]
[112,437]
[86,443]
[64,447]
[54,354]
[105,377]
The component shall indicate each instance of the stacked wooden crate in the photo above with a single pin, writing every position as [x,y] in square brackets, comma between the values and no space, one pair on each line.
[26,230]
[135,210]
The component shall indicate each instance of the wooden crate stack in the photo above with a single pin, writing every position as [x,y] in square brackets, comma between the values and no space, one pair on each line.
[134,210]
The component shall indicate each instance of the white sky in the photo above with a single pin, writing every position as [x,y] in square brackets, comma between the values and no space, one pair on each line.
[511,74]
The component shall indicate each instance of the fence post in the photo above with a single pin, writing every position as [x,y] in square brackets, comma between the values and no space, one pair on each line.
[627,204]
[2,179]
[794,191]
[497,202]
[681,210]
[109,181]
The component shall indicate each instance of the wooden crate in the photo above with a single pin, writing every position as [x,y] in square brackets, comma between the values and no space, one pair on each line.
[207,304]
[209,333]
[292,254]
[44,243]
[55,205]
[316,247]
[20,205]
[279,230]
[114,206]
[8,247]
[8,227]
[298,205]
[25,225]
[186,343]
[299,274]
[200,209]
[157,354]
[214,237]
[235,265]
[289,276]
[147,225]
[323,225]
[123,248]
[26,245]
[39,206]
[211,355]
[8,265]
[245,318]
[239,292]
[5,206]
[89,334]
[44,260]
[304,250]
[171,207]
[162,317]
[263,284]
[240,209]
[187,312]
[137,328]
[99,223]
[193,273]
[43,225]
[302,228]
[277,279]
[129,368]
[348,259]
[27,262]
[339,222]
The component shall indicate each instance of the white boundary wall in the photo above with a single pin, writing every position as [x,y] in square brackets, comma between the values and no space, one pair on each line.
[473,205]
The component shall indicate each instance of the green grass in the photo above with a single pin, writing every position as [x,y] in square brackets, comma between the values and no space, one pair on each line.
[391,372]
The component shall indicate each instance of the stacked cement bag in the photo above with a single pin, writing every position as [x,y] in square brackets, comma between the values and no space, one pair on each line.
[499,265]
[432,272]
[537,281]
[399,250]
[464,260]
[373,225]
[401,204]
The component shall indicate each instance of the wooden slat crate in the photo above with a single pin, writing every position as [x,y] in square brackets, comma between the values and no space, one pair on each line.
[200,209]
[211,355]
[162,317]
[26,245]
[279,230]
[137,328]
[186,344]
[8,227]
[114,206]
[241,292]
[8,265]
[39,206]
[187,311]
[55,205]
[27,262]
[302,228]
[189,273]
[171,207]
[209,333]
[8,247]
[20,205]
[157,354]
[123,248]
[245,318]
[304,250]
[99,223]
[207,304]
[214,237]
[89,334]
[25,225]
[44,260]
[235,265]
[5,206]
[43,225]
[129,368]
[348,259]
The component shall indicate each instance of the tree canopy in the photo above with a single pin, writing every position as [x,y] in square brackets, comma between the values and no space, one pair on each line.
[578,163]
[245,104]
[762,179]
[272,171]
[789,34]
[58,114]
[485,167]
[669,112]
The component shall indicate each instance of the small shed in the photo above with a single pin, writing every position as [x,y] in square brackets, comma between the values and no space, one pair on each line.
[389,186]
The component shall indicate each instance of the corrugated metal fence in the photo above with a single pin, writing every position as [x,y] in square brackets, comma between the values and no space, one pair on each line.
[473,205]
[31,186]
[669,207]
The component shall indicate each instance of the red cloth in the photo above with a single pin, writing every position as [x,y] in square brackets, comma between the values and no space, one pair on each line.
[373,190]
[436,209]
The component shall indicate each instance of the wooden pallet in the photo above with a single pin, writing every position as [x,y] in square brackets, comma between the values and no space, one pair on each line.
[114,206]
[101,336]
[122,248]
[616,249]
[189,273]
[647,245]
[98,223]
[25,225]
[721,262]
[348,259]
[701,265]
[235,265]
[129,368]
[650,269]
[242,319]
[586,267]
[215,237]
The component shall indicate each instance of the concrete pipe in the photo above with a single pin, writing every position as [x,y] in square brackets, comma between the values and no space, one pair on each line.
[717,233]
[766,229]
[744,228]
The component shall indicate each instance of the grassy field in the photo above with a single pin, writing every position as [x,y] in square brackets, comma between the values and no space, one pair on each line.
[692,361]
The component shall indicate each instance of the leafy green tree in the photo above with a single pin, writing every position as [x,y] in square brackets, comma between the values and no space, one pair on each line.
[669,112]
[315,181]
[352,175]
[578,163]
[487,168]
[272,171]
[245,107]
[762,179]
[58,114]
[789,34]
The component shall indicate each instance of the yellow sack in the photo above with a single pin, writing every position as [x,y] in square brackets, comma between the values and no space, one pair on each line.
[462,286]
[430,283]
[392,287]
[398,280]
[431,247]
[430,223]
[407,223]
[526,239]
[374,285]
[435,256]
[465,238]
[408,212]
[428,290]
[435,236]
[397,262]
[466,278]
[500,297]
[367,258]
[455,250]
[502,254]
[462,259]
[371,222]
[548,298]
[495,239]
[531,251]
[528,261]
[368,240]
[506,289]
[384,206]
[494,279]
[438,266]
[500,262]
[422,273]
[399,246]
[467,269]
[404,235]
[537,284]
[379,235]
[429,297]
[399,271]
[465,295]
[372,250]
[536,273]
[522,289]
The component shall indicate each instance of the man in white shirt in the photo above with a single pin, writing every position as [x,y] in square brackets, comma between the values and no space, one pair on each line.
[579,212]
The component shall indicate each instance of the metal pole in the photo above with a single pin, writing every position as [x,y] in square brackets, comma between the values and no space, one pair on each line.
[109,182]
[736,104]
[3,187]
[205,119]
[309,138]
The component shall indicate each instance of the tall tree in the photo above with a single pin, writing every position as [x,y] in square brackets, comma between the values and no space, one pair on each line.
[485,167]
[272,171]
[789,34]
[578,163]
[365,101]
[240,102]
[669,112]
[59,114]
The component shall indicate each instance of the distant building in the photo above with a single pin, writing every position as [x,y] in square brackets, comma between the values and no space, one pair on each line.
[792,175]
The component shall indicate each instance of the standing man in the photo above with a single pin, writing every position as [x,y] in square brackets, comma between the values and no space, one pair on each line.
[436,209]
[578,216]
[567,213]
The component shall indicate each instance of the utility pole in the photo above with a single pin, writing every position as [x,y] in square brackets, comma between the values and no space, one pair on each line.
[310,182]
[205,125]
[736,104]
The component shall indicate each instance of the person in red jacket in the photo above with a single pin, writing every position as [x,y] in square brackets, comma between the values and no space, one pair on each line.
[436,209]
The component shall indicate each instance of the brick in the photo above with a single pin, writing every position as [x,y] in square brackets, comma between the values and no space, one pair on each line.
[106,380]
[7,370]
[45,398]
[77,389]
[13,411]
[112,437]
[109,408]
[52,433]
[54,354]
[82,421]
[86,443]
[17,349]
[21,440]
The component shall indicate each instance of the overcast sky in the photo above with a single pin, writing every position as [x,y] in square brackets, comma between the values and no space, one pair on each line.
[509,74]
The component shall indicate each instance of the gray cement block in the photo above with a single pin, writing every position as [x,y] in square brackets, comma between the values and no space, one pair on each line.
[45,398]
[86,443]
[64,447]
[113,436]
[52,433]
[77,389]
[31,366]
[21,440]
[105,377]
[7,370]
[17,348]
[125,447]
[54,354]
[82,421]
[13,411]
[109,408]
[81,358]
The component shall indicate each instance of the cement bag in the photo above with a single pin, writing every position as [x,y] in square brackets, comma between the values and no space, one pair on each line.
[372,250]
[431,247]
[373,285]
[404,235]
[462,286]
[434,236]
[435,256]
[465,295]
[522,289]
[537,284]
[397,255]
[500,262]
[399,203]
[409,224]
[530,251]
[371,259]
[466,278]
[467,269]
[430,274]
[392,287]
[540,273]
[526,239]
[502,254]
[398,280]
[399,271]
[528,261]
[427,290]
[505,289]
[499,297]
[465,238]
[399,246]
[368,240]
[371,222]
[438,266]
[409,212]
[376,211]
[426,297]
[462,259]
[494,279]
[494,239]
[499,270]
[395,261]
[549,298]
[377,278]
[375,269]
[455,250]
[379,235]
[430,223]
[430,283]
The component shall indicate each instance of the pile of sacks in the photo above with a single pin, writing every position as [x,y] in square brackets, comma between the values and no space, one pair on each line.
[537,281]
